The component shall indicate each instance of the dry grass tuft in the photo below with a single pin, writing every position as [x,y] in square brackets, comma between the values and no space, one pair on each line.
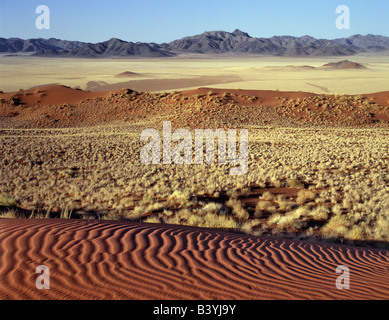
[294,183]
[6,201]
[304,196]
[335,186]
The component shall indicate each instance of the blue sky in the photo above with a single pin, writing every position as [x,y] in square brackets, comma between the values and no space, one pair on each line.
[166,20]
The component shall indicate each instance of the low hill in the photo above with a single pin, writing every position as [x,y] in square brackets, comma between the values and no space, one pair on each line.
[345,64]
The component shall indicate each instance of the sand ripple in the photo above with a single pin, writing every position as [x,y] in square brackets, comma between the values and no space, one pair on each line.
[120,260]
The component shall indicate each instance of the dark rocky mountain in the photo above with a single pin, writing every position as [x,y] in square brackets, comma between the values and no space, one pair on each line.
[239,42]
[212,42]
[16,45]
[119,48]
[369,41]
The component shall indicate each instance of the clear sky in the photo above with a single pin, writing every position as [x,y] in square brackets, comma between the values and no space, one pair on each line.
[166,20]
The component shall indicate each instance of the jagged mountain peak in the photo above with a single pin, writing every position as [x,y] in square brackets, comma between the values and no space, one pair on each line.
[214,42]
[237,32]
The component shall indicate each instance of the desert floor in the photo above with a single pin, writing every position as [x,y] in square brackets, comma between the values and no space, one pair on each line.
[190,72]
[315,195]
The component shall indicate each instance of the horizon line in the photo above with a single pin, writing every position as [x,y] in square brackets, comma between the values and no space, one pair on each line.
[253,37]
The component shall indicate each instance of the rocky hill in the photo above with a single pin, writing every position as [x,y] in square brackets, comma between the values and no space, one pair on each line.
[212,42]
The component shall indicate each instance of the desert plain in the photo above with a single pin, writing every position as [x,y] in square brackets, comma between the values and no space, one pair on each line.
[191,71]
[76,197]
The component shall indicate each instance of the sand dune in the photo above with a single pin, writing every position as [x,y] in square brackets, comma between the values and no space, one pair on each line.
[59,94]
[51,94]
[119,260]
[61,106]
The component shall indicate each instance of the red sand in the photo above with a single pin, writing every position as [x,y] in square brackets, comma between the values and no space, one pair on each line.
[61,106]
[122,260]
[59,94]
[51,94]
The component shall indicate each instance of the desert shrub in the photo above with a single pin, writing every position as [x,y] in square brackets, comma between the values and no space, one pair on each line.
[320,213]
[305,195]
[66,213]
[262,206]
[179,196]
[9,214]
[356,233]
[267,196]
[336,227]
[152,219]
[6,201]
[111,217]
[212,207]
[284,204]
[294,183]
[237,209]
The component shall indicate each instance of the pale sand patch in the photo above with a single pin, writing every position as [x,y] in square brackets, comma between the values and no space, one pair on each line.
[250,72]
[152,85]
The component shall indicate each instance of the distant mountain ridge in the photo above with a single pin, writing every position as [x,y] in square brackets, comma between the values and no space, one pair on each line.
[210,42]
[16,45]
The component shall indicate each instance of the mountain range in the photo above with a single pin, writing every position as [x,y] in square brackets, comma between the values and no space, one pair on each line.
[213,42]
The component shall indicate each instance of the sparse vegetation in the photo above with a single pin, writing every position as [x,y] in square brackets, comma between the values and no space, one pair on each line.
[6,201]
[318,181]
[334,187]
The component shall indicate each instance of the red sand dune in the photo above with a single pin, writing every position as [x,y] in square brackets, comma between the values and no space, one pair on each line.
[61,106]
[52,94]
[381,98]
[59,94]
[266,97]
[122,260]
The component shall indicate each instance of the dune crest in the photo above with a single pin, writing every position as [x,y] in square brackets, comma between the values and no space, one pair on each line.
[61,106]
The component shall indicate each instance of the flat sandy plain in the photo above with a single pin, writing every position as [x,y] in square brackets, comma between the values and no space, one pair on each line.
[315,195]
[190,72]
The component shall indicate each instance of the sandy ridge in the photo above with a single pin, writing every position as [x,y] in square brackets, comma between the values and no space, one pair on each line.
[59,106]
[121,260]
